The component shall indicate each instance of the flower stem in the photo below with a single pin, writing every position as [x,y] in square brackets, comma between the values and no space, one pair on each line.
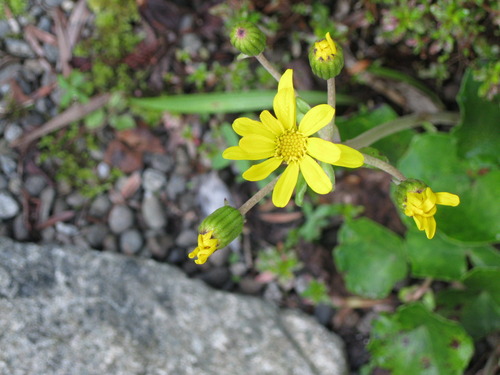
[267,65]
[330,132]
[245,207]
[386,167]
[402,123]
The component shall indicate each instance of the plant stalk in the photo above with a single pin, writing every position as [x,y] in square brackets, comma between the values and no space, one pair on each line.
[402,123]
[386,167]
[245,207]
[268,66]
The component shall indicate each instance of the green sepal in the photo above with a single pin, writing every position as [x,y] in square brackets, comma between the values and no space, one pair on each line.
[225,222]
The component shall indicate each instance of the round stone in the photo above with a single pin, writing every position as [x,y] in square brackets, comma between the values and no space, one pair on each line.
[35,184]
[8,206]
[120,218]
[131,241]
[153,180]
[153,212]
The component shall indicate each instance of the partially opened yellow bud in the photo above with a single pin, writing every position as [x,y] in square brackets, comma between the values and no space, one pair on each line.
[215,232]
[417,200]
[326,58]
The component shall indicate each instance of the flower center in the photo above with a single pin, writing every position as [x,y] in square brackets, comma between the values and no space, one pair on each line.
[290,146]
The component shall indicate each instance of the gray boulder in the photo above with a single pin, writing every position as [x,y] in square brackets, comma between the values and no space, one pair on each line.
[75,311]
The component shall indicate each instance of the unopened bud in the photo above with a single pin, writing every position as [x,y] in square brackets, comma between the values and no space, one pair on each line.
[326,58]
[248,38]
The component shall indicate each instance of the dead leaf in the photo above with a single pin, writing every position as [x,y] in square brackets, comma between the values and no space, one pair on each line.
[141,139]
[124,158]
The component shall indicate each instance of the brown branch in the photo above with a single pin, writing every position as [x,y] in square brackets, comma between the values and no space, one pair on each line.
[74,113]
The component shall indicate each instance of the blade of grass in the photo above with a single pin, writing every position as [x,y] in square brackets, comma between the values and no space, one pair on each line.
[227,102]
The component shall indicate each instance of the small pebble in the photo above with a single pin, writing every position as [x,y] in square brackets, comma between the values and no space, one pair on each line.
[109,243]
[47,197]
[75,200]
[187,238]
[34,184]
[100,206]
[162,162]
[8,205]
[3,182]
[18,48]
[66,229]
[95,235]
[131,241]
[175,185]
[48,234]
[159,245]
[13,132]
[103,170]
[153,180]
[153,212]
[15,184]
[21,233]
[120,218]
[8,165]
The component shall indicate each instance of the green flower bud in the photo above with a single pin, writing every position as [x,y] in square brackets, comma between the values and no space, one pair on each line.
[410,185]
[248,38]
[326,58]
[215,232]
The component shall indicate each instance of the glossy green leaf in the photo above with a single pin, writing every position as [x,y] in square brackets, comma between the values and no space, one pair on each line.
[433,159]
[371,256]
[436,258]
[478,306]
[479,131]
[226,102]
[392,146]
[415,341]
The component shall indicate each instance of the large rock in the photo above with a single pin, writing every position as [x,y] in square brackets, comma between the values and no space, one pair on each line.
[76,311]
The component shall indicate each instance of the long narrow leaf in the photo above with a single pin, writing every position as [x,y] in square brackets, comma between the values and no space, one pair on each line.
[227,102]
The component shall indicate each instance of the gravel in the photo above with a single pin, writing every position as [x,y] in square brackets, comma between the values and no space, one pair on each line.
[120,218]
[131,241]
[35,184]
[8,206]
[153,212]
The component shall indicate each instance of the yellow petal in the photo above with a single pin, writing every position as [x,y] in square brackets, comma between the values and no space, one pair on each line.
[322,150]
[286,80]
[447,199]
[284,187]
[245,126]
[349,157]
[237,153]
[315,176]
[262,170]
[430,227]
[284,107]
[258,144]
[419,220]
[315,119]
[271,123]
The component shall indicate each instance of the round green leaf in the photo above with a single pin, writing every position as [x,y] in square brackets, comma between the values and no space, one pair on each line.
[371,256]
[415,341]
[436,258]
[478,133]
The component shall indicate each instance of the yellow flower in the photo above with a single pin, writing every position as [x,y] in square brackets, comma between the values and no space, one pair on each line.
[206,247]
[279,140]
[325,49]
[421,205]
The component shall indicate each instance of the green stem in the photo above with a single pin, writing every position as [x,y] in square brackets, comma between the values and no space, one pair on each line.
[331,132]
[245,207]
[386,167]
[267,65]
[402,123]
